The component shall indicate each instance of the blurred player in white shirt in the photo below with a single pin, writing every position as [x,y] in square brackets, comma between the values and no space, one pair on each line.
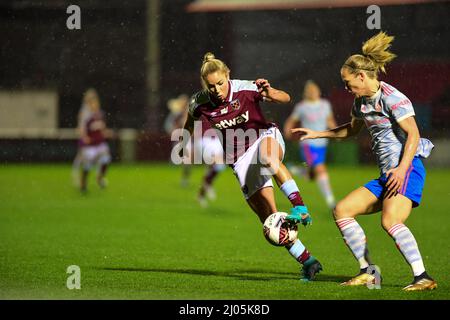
[313,112]
[178,108]
[208,146]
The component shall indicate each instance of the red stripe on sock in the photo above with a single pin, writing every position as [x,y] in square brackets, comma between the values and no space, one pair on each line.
[345,223]
[395,228]
[304,256]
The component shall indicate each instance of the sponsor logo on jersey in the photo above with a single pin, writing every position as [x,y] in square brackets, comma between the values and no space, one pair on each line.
[401,103]
[375,121]
[224,124]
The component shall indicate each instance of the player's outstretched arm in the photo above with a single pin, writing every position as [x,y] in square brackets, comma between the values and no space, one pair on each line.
[271,94]
[290,124]
[346,130]
[189,124]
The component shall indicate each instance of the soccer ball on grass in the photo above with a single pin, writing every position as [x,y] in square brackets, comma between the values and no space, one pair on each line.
[278,231]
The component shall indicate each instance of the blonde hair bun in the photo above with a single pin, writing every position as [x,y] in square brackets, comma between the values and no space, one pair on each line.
[208,57]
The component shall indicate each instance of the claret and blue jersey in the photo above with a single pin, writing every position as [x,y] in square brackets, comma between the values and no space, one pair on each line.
[240,110]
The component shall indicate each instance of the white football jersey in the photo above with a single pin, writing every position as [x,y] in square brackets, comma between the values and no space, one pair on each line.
[381,113]
[313,115]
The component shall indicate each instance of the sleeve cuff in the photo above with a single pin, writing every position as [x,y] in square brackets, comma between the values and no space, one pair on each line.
[410,114]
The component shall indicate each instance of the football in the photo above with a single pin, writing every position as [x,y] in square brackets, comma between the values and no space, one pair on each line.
[278,231]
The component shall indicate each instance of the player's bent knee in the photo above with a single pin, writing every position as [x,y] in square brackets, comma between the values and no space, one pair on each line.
[342,210]
[387,221]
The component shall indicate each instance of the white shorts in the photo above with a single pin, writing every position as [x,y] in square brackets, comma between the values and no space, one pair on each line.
[92,155]
[250,172]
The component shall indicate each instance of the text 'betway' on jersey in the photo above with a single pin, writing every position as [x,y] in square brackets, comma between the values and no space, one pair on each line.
[224,124]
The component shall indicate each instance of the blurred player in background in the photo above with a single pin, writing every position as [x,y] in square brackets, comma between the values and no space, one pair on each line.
[83,114]
[209,146]
[93,148]
[253,147]
[389,116]
[176,118]
[315,113]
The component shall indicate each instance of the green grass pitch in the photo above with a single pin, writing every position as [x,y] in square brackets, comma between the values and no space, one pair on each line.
[145,237]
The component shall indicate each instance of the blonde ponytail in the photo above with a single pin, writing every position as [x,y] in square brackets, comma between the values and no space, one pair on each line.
[374,57]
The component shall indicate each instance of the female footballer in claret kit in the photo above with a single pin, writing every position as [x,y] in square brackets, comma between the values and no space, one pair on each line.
[232,106]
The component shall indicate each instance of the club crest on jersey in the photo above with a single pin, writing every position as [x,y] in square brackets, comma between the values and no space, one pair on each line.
[235,104]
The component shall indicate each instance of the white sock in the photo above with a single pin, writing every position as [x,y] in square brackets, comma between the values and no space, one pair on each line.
[407,245]
[298,251]
[289,187]
[323,182]
[355,239]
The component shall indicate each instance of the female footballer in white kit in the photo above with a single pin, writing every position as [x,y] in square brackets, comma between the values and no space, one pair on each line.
[314,112]
[389,117]
[253,147]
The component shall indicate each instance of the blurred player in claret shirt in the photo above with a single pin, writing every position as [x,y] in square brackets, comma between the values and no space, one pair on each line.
[83,114]
[313,112]
[389,117]
[93,148]
[253,147]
